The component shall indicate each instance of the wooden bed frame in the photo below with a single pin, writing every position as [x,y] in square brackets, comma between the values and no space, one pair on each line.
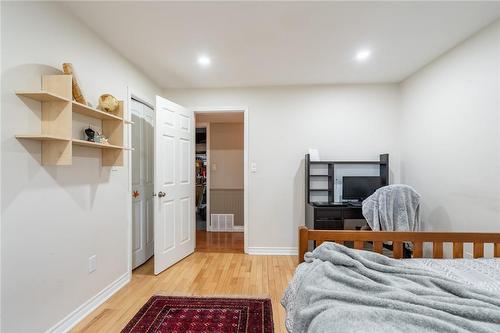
[417,238]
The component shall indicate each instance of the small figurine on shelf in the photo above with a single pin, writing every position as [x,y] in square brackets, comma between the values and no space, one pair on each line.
[90,134]
[99,138]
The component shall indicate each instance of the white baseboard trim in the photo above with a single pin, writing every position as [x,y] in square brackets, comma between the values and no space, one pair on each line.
[83,310]
[285,251]
[236,228]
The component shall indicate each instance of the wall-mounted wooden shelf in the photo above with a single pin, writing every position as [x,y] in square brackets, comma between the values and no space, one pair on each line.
[41,137]
[94,113]
[57,121]
[78,142]
[95,144]
[42,96]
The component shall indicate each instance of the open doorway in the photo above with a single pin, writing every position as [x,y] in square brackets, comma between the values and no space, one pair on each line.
[201,176]
[220,181]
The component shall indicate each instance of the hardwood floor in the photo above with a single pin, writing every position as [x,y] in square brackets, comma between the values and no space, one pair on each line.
[219,241]
[202,273]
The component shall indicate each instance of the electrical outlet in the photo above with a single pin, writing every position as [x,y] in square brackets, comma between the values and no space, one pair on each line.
[253,167]
[92,263]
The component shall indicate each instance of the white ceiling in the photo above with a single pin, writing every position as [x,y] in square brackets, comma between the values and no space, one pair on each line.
[282,43]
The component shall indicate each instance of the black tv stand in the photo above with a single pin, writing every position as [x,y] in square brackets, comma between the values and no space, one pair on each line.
[331,217]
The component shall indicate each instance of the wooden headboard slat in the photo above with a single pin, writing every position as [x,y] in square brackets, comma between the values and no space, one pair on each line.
[478,250]
[418,249]
[397,251]
[437,250]
[418,238]
[458,250]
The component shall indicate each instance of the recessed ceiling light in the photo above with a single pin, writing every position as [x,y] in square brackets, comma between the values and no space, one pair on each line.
[204,61]
[363,55]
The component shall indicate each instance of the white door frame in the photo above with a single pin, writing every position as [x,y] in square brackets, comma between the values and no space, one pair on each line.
[138,95]
[207,127]
[244,109]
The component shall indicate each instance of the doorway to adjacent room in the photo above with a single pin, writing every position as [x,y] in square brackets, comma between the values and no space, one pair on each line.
[219,175]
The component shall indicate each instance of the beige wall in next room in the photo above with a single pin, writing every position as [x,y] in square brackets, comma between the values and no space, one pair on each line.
[226,170]
[226,154]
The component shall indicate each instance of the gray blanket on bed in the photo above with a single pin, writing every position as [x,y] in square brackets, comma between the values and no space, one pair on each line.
[339,289]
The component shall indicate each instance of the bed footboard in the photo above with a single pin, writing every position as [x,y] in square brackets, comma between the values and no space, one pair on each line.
[398,238]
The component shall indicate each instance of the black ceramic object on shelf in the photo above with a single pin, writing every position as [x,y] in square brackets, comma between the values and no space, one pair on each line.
[90,133]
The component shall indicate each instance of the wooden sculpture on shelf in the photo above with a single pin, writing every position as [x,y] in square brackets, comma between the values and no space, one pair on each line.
[77,92]
[108,103]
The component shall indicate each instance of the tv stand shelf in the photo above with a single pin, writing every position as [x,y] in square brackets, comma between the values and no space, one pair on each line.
[57,112]
[347,162]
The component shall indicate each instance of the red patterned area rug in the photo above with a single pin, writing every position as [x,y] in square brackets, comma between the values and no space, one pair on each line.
[166,314]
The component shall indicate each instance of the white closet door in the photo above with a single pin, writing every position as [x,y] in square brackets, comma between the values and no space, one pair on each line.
[142,183]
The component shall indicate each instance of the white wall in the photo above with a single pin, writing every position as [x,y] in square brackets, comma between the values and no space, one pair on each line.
[343,122]
[54,218]
[450,131]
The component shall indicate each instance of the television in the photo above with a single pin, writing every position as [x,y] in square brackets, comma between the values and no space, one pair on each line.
[359,187]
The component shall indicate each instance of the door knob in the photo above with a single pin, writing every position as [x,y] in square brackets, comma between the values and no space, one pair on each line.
[161,194]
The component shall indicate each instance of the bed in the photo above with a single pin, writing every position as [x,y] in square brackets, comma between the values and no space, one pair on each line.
[342,289]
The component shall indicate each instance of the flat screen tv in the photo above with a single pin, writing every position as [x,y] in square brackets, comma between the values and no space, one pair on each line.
[359,187]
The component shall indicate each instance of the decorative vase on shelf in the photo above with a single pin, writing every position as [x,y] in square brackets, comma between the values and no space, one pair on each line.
[108,103]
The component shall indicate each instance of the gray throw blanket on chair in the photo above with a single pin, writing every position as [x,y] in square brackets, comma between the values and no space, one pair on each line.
[393,208]
[339,289]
